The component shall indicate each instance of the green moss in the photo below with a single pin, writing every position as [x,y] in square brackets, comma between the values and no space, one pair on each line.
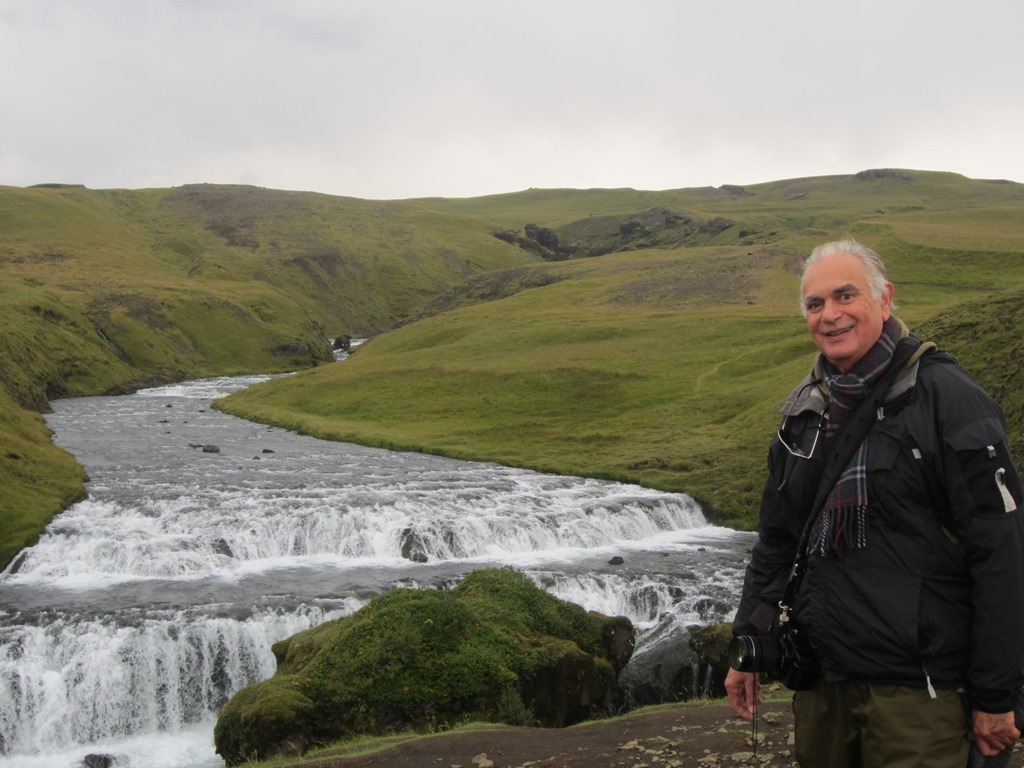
[514,602]
[264,720]
[494,648]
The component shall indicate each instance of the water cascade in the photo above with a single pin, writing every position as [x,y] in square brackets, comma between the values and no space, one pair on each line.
[206,538]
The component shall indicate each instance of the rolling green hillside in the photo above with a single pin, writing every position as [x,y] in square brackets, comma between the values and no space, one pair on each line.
[106,291]
[666,366]
[644,336]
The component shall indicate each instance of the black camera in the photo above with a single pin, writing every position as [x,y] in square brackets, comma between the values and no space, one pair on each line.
[780,656]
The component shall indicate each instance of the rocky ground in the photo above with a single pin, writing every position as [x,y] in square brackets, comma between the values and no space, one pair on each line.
[671,736]
[677,736]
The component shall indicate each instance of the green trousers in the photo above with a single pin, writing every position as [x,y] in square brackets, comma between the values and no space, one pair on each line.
[855,724]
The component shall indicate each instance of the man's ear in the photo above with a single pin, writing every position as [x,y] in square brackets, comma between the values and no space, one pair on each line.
[890,291]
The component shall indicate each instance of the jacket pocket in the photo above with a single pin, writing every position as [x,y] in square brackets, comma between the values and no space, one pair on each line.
[887,480]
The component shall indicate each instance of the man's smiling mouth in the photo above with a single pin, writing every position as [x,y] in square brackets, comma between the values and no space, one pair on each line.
[840,332]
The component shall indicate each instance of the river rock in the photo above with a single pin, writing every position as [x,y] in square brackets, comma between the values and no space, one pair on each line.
[678,665]
[221,547]
[711,644]
[99,761]
[494,648]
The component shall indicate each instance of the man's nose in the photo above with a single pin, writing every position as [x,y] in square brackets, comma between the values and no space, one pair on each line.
[831,310]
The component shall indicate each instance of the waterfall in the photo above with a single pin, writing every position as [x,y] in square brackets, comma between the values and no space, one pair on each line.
[200,531]
[142,609]
[66,680]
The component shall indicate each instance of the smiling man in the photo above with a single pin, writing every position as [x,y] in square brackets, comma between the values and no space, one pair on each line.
[905,619]
[845,304]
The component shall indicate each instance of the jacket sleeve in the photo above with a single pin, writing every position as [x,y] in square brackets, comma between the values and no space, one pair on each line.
[984,493]
[770,561]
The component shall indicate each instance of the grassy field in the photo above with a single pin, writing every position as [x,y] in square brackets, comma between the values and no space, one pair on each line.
[660,361]
[592,374]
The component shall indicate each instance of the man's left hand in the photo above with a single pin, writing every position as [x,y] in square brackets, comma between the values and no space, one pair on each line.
[994,733]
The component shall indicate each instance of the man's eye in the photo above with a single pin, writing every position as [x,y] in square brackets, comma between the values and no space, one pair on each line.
[814,306]
[847,297]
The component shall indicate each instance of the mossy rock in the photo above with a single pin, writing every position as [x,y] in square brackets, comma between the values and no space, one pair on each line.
[264,721]
[494,648]
[711,644]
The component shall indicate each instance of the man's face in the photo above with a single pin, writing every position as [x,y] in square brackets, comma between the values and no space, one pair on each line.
[843,318]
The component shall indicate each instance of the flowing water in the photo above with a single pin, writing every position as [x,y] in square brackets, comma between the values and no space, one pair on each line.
[206,538]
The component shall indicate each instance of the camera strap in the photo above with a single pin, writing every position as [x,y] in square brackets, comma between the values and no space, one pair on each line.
[841,450]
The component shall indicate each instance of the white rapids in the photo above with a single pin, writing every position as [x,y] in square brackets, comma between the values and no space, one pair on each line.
[206,538]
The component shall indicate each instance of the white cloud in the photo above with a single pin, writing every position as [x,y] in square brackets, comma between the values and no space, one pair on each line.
[401,98]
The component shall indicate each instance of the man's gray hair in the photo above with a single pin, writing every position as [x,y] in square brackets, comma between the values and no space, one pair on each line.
[876,274]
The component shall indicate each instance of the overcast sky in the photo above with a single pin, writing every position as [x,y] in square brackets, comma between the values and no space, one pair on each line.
[409,98]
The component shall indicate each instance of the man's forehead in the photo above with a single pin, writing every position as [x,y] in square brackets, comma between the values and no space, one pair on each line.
[844,288]
[841,271]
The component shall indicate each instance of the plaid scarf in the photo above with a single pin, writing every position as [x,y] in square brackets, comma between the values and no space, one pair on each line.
[843,522]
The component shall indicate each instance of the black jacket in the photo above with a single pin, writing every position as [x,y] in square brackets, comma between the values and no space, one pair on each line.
[937,594]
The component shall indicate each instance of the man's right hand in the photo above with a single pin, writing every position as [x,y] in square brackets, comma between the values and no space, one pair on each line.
[743,688]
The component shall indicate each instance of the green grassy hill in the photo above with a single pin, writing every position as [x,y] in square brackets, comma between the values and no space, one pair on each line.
[106,291]
[666,365]
[644,336]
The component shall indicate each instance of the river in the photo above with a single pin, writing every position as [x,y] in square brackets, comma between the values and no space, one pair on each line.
[206,538]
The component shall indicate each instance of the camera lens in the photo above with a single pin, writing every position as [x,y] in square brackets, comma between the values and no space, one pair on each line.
[742,654]
[753,654]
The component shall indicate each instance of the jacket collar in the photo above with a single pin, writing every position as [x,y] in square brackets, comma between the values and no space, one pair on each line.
[812,395]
